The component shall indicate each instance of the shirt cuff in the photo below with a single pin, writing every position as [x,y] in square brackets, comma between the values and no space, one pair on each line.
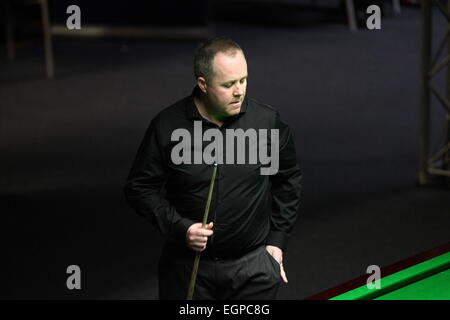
[277,239]
[180,229]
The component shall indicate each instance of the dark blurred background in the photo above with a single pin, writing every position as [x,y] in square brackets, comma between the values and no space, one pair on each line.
[351,97]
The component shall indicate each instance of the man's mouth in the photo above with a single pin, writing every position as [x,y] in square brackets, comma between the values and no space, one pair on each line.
[235,102]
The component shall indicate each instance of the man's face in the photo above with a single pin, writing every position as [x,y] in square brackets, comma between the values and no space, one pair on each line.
[225,91]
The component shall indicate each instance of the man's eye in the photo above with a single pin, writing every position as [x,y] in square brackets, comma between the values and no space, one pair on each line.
[243,80]
[227,85]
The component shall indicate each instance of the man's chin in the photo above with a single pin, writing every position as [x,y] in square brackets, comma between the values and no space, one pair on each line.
[234,110]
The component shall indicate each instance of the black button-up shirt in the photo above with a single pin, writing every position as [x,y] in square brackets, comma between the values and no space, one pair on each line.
[248,209]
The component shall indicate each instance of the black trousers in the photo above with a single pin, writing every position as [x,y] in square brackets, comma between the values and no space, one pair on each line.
[254,276]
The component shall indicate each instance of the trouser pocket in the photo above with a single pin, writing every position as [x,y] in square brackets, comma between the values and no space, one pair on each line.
[274,263]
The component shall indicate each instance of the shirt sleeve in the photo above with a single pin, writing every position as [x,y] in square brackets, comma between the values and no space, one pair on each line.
[285,189]
[143,189]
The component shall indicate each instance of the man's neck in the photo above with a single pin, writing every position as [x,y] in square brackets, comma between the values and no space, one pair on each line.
[199,102]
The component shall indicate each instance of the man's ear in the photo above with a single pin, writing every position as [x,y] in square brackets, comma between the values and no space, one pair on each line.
[201,82]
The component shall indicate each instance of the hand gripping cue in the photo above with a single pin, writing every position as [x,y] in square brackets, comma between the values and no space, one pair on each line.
[205,219]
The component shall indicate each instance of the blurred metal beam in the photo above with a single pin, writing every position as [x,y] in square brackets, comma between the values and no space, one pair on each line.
[443,9]
[396,6]
[439,164]
[447,155]
[425,93]
[135,32]
[441,47]
[9,30]
[439,172]
[439,154]
[351,15]
[47,39]
[444,101]
[441,65]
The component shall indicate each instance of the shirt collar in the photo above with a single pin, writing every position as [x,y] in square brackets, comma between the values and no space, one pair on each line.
[192,111]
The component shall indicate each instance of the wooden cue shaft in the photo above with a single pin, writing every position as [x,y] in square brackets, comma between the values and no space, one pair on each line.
[205,220]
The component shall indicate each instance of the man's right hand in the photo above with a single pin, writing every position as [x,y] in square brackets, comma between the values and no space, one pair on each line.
[197,236]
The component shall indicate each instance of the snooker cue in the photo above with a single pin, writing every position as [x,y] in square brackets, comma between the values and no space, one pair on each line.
[205,219]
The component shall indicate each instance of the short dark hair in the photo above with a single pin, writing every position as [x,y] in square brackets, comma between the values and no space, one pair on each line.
[206,52]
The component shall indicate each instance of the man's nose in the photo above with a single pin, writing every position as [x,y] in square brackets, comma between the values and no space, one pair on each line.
[238,90]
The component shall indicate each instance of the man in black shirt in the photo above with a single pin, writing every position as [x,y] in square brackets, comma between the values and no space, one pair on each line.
[256,193]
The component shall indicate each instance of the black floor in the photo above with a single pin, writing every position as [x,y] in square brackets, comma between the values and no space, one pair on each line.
[352,100]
